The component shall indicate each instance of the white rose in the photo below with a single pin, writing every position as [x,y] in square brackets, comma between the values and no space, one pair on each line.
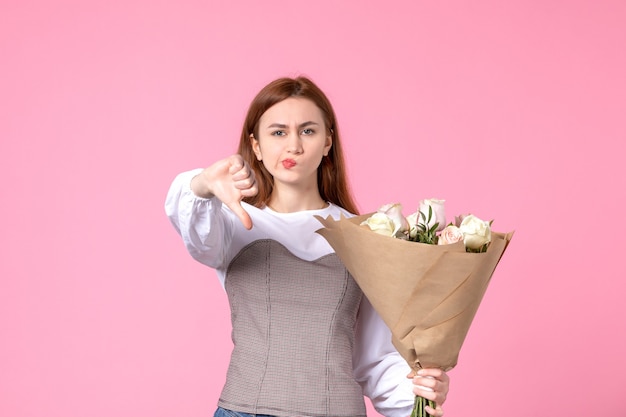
[451,234]
[476,232]
[412,220]
[394,212]
[438,214]
[380,223]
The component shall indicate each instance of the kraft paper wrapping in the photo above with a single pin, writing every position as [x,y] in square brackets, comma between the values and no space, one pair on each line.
[427,295]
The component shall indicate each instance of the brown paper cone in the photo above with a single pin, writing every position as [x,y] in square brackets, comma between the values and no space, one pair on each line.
[427,295]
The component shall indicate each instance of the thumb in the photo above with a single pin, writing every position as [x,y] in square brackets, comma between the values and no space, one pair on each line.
[243,215]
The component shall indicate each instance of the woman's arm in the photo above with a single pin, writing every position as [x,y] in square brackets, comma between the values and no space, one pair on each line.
[385,375]
[379,368]
[194,206]
[206,229]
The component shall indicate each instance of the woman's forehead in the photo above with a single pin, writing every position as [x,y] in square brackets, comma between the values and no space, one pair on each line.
[293,110]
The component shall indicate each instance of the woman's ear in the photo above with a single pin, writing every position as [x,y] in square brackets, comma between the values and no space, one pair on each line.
[329,143]
[254,142]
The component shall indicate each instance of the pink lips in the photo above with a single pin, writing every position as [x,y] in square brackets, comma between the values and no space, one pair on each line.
[289,163]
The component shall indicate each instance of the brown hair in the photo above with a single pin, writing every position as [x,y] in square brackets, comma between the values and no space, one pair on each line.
[332,181]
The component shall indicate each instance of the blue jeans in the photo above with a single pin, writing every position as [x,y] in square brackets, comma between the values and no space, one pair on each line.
[222,412]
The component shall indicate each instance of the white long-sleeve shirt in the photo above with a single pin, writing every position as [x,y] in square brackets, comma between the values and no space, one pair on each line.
[213,235]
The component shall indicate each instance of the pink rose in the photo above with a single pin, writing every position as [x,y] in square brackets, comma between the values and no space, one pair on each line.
[450,234]
[459,219]
[438,213]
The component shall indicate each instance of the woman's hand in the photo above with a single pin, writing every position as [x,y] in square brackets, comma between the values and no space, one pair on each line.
[230,180]
[432,384]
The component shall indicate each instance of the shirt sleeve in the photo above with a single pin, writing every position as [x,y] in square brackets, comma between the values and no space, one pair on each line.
[205,227]
[378,366]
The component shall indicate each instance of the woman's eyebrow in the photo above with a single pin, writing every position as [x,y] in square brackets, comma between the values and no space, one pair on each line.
[284,126]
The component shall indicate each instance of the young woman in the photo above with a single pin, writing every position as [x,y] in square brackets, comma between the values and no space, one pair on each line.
[306,340]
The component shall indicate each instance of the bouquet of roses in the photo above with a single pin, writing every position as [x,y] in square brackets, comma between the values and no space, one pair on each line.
[425,278]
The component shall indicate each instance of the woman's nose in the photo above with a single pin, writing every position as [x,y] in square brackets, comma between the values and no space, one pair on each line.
[295,144]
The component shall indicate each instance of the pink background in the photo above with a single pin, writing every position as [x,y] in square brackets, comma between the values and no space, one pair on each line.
[512,110]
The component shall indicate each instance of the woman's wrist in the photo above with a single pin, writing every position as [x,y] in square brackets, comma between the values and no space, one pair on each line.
[200,187]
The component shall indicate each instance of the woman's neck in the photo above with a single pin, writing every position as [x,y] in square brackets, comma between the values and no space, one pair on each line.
[284,201]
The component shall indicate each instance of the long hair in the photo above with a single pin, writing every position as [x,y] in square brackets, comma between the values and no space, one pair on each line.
[332,181]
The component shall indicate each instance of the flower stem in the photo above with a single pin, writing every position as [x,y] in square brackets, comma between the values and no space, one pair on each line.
[419,406]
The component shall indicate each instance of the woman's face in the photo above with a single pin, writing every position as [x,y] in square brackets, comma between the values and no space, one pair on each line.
[292,141]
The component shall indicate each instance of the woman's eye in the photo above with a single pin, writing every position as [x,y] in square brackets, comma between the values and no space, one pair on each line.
[308,131]
[278,133]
